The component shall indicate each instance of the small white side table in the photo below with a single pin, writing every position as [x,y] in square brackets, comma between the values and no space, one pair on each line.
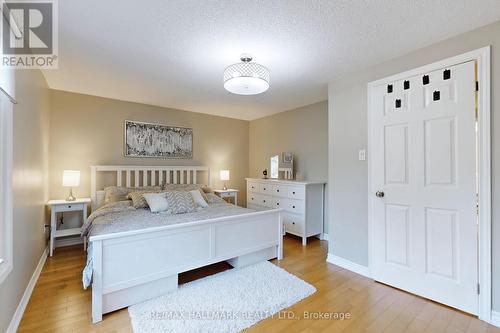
[228,194]
[62,206]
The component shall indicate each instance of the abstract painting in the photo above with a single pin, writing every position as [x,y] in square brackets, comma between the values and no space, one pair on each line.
[157,141]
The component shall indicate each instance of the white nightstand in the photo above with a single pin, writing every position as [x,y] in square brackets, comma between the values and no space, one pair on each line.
[62,206]
[228,194]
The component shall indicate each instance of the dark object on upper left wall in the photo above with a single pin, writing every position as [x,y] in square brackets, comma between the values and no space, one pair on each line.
[157,141]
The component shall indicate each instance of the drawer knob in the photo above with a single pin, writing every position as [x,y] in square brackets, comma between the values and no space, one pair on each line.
[293,222]
[293,206]
[252,198]
[264,200]
[264,188]
[293,192]
[277,204]
[69,206]
[277,190]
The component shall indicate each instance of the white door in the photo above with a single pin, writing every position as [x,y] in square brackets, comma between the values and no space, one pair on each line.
[424,222]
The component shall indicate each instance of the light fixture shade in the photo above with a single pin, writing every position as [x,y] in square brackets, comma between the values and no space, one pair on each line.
[246,77]
[224,175]
[71,178]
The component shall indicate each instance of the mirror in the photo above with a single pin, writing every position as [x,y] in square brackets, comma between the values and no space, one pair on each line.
[275,161]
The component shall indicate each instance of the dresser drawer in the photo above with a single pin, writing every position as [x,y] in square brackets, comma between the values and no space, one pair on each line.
[265,188]
[256,207]
[253,198]
[296,192]
[261,200]
[294,224]
[252,186]
[295,206]
[280,202]
[280,190]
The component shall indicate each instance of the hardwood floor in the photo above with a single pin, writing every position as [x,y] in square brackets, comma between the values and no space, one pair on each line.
[59,304]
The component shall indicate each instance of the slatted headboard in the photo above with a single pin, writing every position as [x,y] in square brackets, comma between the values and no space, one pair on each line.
[136,176]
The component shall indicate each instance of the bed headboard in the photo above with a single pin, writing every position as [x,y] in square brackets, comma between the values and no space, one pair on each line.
[136,176]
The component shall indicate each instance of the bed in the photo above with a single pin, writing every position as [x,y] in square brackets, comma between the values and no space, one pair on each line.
[132,263]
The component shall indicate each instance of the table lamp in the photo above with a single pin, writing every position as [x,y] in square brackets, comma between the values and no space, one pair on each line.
[224,175]
[71,178]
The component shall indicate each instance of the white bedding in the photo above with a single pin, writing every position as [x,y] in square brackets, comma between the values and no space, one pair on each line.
[121,216]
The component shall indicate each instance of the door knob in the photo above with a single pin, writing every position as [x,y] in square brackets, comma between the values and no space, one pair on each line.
[380,194]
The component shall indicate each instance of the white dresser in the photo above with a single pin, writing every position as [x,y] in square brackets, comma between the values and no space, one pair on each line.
[301,200]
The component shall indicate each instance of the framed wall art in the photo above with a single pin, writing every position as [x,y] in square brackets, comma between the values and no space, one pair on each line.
[157,141]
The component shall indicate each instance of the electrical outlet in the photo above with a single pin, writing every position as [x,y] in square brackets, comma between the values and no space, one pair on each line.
[362,155]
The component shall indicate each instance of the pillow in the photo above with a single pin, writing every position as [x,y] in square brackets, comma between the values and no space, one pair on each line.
[180,202]
[213,199]
[119,193]
[198,199]
[99,200]
[138,200]
[185,187]
[206,189]
[157,202]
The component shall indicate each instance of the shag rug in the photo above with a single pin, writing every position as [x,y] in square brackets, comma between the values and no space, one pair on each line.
[225,302]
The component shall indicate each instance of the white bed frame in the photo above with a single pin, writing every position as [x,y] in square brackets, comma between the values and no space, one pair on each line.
[133,266]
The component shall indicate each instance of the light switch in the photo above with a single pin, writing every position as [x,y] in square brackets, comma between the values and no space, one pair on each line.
[362,155]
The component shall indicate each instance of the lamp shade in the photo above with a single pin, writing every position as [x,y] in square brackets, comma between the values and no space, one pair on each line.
[71,178]
[224,175]
[246,77]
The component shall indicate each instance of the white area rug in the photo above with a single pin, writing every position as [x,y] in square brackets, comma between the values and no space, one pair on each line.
[226,302]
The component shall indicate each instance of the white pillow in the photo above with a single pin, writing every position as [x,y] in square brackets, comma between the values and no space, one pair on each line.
[157,202]
[198,198]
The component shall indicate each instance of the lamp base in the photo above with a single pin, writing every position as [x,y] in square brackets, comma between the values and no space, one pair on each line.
[225,187]
[70,196]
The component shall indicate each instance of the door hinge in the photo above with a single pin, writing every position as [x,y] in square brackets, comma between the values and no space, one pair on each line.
[477,85]
[478,289]
[477,204]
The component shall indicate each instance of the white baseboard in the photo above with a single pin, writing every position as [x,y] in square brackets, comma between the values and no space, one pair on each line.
[323,236]
[495,318]
[349,265]
[69,241]
[18,315]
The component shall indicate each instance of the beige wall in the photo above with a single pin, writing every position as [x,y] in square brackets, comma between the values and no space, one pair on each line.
[302,131]
[31,124]
[87,130]
[348,132]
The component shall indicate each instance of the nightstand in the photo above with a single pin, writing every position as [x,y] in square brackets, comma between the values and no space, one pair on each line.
[62,206]
[228,194]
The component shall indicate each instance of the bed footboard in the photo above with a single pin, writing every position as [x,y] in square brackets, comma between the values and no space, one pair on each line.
[134,266]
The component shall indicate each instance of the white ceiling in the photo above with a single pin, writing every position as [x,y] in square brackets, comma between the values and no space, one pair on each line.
[173,53]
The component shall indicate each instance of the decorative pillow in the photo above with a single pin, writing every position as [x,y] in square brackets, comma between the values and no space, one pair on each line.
[180,202]
[206,189]
[119,193]
[198,199]
[185,187]
[213,199]
[138,200]
[157,202]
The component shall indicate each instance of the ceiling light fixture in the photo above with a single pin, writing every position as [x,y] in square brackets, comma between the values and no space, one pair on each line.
[246,77]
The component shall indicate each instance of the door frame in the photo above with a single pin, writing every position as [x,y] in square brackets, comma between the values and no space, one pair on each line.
[482,57]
